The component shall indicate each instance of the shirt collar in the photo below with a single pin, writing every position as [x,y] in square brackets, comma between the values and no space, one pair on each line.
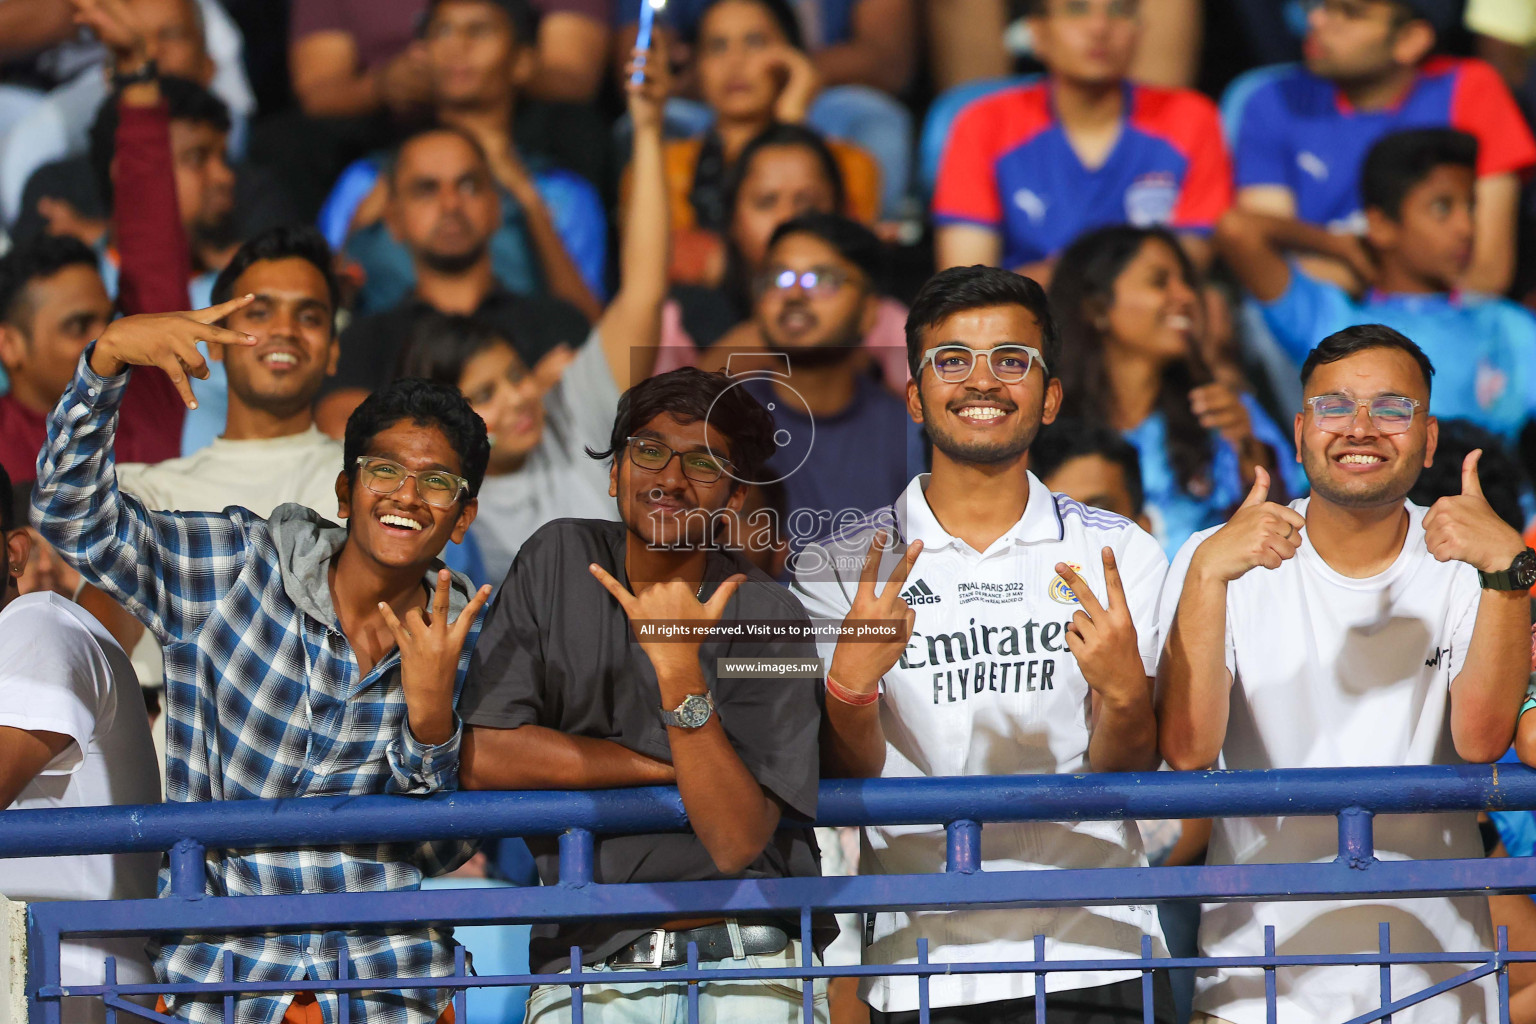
[1039,523]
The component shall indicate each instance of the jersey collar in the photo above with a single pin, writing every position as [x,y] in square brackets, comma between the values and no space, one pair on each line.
[1040,521]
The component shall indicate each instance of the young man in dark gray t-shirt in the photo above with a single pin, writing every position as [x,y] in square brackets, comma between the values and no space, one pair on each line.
[562,695]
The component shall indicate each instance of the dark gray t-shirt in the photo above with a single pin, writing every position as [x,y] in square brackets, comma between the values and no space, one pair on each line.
[557,651]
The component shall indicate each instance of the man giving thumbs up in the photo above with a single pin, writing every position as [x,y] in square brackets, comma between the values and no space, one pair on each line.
[1350,628]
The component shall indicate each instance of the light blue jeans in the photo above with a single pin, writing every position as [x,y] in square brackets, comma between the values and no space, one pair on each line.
[720,1002]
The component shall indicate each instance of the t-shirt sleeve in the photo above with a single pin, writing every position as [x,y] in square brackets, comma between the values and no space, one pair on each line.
[774,724]
[965,191]
[1260,150]
[1482,105]
[53,678]
[1466,595]
[1173,588]
[1143,567]
[505,685]
[1206,192]
[1306,313]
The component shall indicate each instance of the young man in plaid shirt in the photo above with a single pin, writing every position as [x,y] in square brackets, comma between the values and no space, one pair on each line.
[301,658]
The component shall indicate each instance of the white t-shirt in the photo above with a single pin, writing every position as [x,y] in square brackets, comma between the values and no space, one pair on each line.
[1332,672]
[988,687]
[558,480]
[61,672]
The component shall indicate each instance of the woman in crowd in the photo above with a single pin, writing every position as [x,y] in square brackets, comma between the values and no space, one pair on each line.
[1127,302]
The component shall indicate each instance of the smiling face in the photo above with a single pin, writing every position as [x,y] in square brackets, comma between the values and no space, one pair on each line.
[664,508]
[782,183]
[736,78]
[1430,241]
[1156,308]
[295,348]
[1089,42]
[400,530]
[817,326]
[1359,466]
[503,392]
[443,205]
[982,420]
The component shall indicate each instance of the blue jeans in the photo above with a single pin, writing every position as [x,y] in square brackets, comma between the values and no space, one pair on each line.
[720,1002]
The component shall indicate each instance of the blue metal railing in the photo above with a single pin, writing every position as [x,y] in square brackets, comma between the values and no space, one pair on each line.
[963,805]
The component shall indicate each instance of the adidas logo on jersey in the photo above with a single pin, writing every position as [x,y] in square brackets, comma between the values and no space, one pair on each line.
[918,593]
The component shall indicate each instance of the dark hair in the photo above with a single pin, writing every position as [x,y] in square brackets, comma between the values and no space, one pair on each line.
[779,10]
[1360,338]
[848,238]
[1497,471]
[1066,439]
[959,289]
[691,394]
[1082,294]
[1398,163]
[186,100]
[7,506]
[296,241]
[425,403]
[522,15]
[44,256]
[391,162]
[440,344]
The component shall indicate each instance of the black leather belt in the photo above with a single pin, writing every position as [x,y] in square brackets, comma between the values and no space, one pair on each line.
[661,948]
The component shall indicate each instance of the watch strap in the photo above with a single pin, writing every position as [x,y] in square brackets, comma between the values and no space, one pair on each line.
[674,717]
[1509,579]
[148,71]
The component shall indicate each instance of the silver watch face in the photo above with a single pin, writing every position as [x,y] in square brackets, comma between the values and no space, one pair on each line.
[694,711]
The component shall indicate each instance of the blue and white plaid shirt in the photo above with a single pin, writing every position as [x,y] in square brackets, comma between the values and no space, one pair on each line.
[264,700]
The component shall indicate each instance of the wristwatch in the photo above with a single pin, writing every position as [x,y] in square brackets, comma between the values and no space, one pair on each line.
[692,713]
[1521,574]
[145,72]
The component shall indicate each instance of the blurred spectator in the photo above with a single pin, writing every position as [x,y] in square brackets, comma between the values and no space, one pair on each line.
[1500,476]
[1127,304]
[861,57]
[966,40]
[553,235]
[1091,463]
[446,213]
[752,75]
[58,127]
[1302,134]
[1028,169]
[1168,52]
[1419,189]
[73,733]
[845,445]
[540,467]
[1506,36]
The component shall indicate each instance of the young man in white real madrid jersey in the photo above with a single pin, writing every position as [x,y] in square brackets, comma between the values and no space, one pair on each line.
[1350,628]
[1005,671]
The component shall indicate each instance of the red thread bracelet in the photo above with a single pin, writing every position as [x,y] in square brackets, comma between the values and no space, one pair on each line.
[847,696]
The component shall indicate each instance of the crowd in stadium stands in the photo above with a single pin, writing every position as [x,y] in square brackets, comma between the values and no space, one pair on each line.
[375,375]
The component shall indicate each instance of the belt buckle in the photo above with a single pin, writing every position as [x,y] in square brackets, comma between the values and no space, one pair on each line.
[658,947]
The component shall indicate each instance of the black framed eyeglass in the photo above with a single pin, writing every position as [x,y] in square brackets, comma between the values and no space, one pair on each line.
[651,455]
[436,487]
[818,281]
[1390,414]
[954,364]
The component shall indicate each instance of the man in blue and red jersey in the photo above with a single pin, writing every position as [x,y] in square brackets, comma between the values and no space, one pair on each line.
[1028,169]
[1301,134]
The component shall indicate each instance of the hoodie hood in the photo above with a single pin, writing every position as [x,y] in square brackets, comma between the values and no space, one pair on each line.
[306,543]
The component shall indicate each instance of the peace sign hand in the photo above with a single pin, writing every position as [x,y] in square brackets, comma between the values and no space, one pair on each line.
[430,648]
[859,666]
[671,601]
[1103,638]
[169,341]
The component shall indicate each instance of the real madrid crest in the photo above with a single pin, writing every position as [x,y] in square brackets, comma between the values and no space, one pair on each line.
[1059,591]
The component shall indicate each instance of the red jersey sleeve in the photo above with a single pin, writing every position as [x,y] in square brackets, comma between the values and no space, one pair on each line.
[1481,105]
[966,188]
[1194,127]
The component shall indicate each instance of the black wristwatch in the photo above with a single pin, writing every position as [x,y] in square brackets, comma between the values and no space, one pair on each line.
[1521,574]
[148,71]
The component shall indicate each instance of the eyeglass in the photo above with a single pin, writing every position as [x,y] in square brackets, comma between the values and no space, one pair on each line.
[1390,414]
[954,364]
[651,455]
[818,281]
[434,486]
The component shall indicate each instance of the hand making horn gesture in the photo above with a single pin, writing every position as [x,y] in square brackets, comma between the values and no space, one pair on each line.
[670,601]
[1260,532]
[1465,528]
[169,341]
[430,648]
[858,666]
[1102,637]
